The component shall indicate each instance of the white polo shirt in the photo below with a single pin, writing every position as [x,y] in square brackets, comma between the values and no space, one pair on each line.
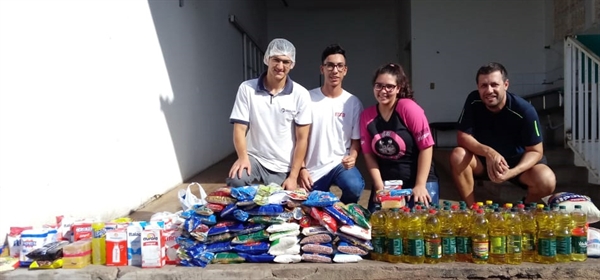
[270,119]
[335,124]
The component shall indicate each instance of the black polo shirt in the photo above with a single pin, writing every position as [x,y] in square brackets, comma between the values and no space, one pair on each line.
[508,132]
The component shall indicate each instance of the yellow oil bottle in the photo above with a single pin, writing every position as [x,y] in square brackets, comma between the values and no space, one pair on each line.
[462,220]
[528,234]
[394,236]
[498,232]
[415,247]
[448,234]
[378,238]
[579,235]
[514,254]
[563,228]
[433,239]
[480,238]
[546,245]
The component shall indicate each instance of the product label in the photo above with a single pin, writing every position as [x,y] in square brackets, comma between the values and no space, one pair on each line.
[579,244]
[547,247]
[433,248]
[448,246]
[481,250]
[498,245]
[513,244]
[463,245]
[528,242]
[415,247]
[563,245]
[394,246]
[378,244]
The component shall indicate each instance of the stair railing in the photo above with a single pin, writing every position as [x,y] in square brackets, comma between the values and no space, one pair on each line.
[581,103]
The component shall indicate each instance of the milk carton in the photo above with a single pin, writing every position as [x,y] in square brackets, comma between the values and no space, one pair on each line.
[134,244]
[116,247]
[153,247]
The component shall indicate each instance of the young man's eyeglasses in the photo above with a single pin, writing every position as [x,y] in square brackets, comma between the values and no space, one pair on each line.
[329,66]
[387,87]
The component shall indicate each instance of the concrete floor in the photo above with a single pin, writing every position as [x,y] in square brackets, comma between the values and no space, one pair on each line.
[569,179]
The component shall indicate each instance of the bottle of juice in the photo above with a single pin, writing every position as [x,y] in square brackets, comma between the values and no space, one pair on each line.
[378,235]
[394,236]
[462,220]
[514,247]
[564,226]
[546,246]
[579,235]
[433,240]
[498,232]
[480,238]
[528,235]
[415,247]
[447,232]
[98,243]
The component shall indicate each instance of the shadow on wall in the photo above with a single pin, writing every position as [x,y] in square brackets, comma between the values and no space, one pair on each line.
[198,113]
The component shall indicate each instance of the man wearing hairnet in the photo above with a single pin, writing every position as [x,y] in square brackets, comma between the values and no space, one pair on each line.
[271,120]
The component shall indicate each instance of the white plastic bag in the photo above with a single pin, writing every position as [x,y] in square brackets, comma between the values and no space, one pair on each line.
[188,199]
[571,199]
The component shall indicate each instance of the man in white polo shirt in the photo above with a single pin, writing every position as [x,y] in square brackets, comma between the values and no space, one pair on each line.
[271,122]
[335,135]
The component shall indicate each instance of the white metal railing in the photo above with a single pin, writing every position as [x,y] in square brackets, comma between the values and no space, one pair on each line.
[581,103]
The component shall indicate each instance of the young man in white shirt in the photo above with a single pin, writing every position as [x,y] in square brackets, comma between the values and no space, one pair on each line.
[334,140]
[271,121]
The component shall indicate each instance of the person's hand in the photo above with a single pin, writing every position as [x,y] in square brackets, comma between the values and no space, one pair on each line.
[420,194]
[496,167]
[505,176]
[290,184]
[349,162]
[374,191]
[305,181]
[238,167]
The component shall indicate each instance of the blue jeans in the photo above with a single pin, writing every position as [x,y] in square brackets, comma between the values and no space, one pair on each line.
[433,188]
[350,182]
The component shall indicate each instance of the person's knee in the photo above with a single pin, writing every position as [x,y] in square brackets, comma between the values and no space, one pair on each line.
[235,182]
[544,180]
[460,158]
[352,189]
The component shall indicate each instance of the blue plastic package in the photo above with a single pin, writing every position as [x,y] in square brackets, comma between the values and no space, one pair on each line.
[228,210]
[266,210]
[320,199]
[240,215]
[250,228]
[262,258]
[202,259]
[338,215]
[253,248]
[208,220]
[219,247]
[223,227]
[244,193]
[401,192]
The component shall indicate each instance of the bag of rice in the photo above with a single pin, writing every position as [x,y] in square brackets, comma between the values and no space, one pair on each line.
[570,200]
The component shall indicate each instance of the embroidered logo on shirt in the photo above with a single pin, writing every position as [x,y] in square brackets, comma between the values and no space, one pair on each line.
[340,114]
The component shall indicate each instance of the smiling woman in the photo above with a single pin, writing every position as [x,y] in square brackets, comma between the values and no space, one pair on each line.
[396,138]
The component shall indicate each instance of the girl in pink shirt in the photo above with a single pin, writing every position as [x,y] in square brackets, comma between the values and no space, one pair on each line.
[396,140]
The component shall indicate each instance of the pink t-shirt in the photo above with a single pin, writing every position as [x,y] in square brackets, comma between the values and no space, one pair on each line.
[398,140]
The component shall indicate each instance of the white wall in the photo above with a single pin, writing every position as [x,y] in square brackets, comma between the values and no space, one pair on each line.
[368,33]
[452,39]
[104,104]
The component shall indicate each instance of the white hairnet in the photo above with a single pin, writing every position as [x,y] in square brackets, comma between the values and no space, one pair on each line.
[280,47]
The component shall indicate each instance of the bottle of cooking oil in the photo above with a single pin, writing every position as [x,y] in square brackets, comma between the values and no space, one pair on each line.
[514,247]
[433,239]
[579,235]
[462,220]
[415,244]
[528,235]
[498,232]
[546,246]
[447,232]
[404,232]
[394,236]
[480,238]
[564,226]
[378,234]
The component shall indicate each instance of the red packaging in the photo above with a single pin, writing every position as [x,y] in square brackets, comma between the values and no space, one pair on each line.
[81,231]
[116,247]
